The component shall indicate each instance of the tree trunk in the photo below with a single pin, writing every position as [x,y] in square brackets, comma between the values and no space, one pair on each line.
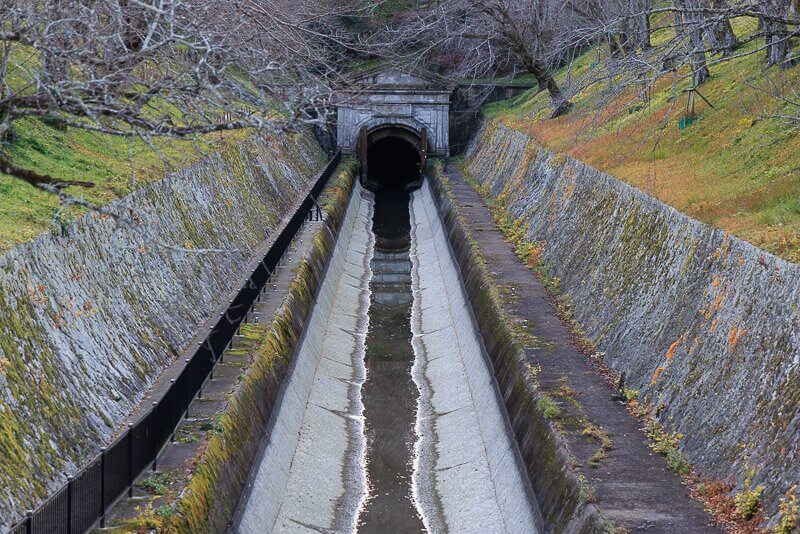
[627,37]
[776,34]
[544,77]
[613,46]
[134,25]
[688,22]
[721,37]
[646,43]
[700,72]
[5,127]
[775,37]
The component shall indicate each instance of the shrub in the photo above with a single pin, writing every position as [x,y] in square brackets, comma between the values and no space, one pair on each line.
[666,444]
[748,501]
[549,408]
[788,512]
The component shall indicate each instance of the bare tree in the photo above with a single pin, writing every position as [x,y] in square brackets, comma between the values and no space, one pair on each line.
[161,68]
[602,20]
[164,68]
[480,38]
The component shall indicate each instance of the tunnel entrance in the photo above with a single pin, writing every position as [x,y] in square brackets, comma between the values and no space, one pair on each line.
[393,162]
[393,157]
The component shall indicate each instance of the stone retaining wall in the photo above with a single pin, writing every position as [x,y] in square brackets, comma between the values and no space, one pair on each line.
[220,479]
[706,326]
[90,316]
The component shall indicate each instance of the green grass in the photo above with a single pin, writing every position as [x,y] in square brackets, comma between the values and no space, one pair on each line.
[734,168]
[549,408]
[116,165]
[519,80]
[158,483]
[390,8]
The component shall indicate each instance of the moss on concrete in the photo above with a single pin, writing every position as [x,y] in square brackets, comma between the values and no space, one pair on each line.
[643,276]
[90,315]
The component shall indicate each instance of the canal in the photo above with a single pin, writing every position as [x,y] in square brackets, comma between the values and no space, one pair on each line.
[391,420]
[389,393]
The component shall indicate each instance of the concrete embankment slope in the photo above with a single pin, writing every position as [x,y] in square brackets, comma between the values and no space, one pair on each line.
[312,474]
[705,325]
[468,475]
[89,317]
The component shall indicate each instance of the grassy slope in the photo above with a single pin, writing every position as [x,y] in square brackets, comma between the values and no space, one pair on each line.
[731,169]
[26,211]
[116,165]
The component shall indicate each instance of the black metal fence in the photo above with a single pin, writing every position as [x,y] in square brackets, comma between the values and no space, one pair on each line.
[83,501]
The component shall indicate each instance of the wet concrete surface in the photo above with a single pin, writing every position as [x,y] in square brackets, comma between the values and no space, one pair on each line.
[312,476]
[468,475]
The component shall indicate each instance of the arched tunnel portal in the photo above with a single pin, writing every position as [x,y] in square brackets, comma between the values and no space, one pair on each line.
[393,155]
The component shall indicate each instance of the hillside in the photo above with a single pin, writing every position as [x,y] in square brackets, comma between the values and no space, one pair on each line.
[117,166]
[734,167]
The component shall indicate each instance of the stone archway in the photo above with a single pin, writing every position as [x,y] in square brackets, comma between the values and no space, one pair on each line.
[405,105]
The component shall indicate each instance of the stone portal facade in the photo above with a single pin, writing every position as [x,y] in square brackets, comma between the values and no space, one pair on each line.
[390,102]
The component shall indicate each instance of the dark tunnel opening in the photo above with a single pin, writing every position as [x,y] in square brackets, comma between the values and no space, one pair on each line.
[393,162]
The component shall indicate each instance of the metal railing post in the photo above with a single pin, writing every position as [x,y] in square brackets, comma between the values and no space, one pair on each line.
[173,406]
[130,460]
[103,487]
[154,438]
[69,504]
[29,522]
[188,389]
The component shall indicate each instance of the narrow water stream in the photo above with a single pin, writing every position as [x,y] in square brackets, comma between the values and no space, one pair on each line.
[389,393]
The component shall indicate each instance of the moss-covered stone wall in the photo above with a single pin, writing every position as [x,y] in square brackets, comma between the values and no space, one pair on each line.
[703,324]
[91,314]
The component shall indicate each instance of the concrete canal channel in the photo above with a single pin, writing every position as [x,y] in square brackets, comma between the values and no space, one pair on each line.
[391,420]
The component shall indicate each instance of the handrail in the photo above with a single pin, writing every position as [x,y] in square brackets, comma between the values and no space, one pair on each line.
[83,502]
